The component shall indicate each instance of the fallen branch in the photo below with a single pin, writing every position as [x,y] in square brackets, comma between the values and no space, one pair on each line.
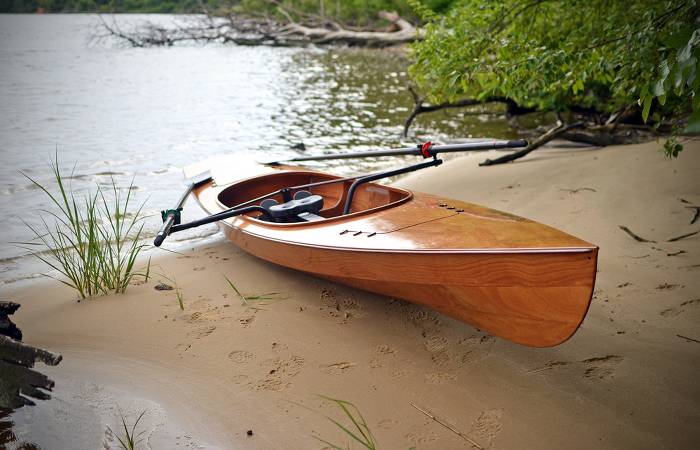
[696,215]
[683,236]
[635,236]
[534,145]
[449,427]
[246,30]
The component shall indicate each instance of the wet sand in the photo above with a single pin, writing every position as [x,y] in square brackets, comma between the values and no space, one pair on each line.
[208,374]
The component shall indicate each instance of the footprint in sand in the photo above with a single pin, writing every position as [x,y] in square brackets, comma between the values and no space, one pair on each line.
[672,312]
[342,309]
[387,424]
[419,317]
[240,356]
[278,373]
[601,368]
[436,344]
[247,321]
[485,427]
[202,332]
[438,378]
[338,368]
[421,438]
[381,354]
[475,348]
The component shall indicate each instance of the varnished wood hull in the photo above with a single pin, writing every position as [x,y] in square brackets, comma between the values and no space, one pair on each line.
[535,295]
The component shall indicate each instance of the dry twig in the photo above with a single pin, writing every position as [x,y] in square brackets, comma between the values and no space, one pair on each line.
[634,236]
[449,427]
[683,236]
[688,339]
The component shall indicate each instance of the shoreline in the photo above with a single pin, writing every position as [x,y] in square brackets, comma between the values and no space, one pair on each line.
[220,368]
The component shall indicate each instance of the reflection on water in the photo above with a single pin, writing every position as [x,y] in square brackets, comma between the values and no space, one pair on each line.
[141,115]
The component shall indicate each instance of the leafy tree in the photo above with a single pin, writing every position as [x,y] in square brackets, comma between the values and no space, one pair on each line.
[559,55]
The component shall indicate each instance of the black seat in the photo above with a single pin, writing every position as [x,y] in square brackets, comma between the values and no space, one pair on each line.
[303,208]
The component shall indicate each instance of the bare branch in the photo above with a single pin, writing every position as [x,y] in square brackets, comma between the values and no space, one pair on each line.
[552,133]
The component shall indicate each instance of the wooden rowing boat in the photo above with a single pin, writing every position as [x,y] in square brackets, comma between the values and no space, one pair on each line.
[509,276]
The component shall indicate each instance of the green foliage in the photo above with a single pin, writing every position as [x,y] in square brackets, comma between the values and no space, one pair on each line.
[559,54]
[92,242]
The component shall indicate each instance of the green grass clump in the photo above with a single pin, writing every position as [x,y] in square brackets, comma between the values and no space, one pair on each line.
[130,438]
[92,241]
[357,429]
[261,298]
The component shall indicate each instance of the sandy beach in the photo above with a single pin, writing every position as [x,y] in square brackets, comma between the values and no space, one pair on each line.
[207,375]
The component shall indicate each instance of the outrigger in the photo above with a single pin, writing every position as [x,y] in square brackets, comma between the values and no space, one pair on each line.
[514,278]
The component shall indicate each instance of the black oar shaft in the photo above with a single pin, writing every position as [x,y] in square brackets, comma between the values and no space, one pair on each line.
[220,216]
[434,150]
[170,217]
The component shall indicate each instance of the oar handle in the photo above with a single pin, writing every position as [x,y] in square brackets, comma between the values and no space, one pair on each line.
[164,230]
[171,217]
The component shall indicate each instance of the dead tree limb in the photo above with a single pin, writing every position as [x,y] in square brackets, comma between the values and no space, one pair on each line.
[558,130]
[420,107]
[246,30]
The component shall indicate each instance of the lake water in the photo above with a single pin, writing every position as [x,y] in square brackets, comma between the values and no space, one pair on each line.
[129,114]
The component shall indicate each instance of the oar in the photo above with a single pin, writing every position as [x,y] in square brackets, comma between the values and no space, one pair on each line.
[172,216]
[420,150]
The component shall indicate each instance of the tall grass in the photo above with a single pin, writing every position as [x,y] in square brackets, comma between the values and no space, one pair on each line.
[92,241]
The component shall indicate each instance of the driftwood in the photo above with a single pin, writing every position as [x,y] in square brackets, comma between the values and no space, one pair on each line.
[243,30]
[18,382]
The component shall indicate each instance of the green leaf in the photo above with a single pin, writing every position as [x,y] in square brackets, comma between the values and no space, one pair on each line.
[693,126]
[646,107]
